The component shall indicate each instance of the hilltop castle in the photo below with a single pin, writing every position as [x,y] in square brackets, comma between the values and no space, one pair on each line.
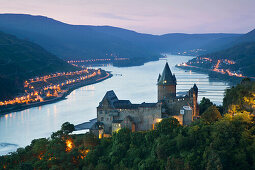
[114,114]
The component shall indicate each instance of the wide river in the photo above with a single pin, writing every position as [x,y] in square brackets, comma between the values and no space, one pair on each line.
[138,84]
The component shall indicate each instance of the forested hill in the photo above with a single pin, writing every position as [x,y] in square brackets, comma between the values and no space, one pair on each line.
[220,141]
[85,41]
[20,60]
[234,59]
[242,54]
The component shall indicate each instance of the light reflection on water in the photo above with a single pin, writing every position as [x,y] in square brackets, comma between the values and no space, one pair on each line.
[136,83]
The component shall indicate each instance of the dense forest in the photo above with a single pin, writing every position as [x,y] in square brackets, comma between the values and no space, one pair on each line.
[223,138]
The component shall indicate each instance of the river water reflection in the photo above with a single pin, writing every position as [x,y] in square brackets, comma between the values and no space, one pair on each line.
[138,84]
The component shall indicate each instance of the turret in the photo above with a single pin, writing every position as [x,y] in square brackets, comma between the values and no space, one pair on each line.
[195,104]
[166,85]
[195,89]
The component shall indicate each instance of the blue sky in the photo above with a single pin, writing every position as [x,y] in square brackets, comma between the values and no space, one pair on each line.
[146,16]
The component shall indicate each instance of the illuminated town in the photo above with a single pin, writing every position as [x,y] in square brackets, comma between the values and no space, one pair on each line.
[49,87]
[222,66]
[96,60]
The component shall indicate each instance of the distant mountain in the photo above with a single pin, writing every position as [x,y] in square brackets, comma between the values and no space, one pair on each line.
[225,43]
[83,41]
[20,60]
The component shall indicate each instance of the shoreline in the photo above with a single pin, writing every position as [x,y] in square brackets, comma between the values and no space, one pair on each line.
[214,75]
[56,99]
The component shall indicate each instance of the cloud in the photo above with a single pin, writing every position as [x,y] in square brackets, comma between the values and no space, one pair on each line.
[114,16]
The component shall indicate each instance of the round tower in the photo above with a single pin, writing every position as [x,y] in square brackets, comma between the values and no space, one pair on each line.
[166,85]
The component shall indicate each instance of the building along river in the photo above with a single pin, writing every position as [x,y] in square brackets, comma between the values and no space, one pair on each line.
[137,84]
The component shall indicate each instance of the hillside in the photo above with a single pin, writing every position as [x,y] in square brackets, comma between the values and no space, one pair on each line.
[20,60]
[84,41]
[236,59]
[242,54]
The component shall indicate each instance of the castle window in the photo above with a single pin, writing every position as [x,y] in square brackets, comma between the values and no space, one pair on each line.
[102,118]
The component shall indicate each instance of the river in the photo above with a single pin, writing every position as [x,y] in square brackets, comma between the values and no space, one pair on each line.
[138,84]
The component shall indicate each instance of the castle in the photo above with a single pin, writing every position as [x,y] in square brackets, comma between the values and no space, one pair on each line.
[114,114]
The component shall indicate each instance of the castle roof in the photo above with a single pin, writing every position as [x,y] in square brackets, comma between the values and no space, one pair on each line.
[195,88]
[110,97]
[122,104]
[115,103]
[167,78]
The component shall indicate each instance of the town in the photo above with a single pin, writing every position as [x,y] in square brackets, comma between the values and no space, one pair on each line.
[54,86]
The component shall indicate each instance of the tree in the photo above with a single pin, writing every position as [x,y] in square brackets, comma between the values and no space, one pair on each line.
[167,125]
[211,114]
[205,103]
[67,128]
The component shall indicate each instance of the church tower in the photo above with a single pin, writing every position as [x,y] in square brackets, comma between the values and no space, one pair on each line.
[166,84]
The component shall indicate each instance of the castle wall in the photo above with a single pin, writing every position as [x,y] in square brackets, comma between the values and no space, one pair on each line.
[173,106]
[106,116]
[142,117]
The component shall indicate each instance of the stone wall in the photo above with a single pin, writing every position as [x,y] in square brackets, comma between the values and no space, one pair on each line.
[173,106]
[142,117]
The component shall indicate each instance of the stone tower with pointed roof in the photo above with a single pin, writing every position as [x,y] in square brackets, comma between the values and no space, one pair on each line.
[114,114]
[166,84]
[172,104]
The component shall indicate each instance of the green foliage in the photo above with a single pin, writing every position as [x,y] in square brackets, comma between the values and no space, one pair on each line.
[67,128]
[227,143]
[212,114]
[204,104]
[235,96]
[166,126]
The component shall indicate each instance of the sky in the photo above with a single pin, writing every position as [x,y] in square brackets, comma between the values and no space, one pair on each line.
[145,16]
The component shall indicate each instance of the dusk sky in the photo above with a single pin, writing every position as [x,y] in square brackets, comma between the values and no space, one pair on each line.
[146,16]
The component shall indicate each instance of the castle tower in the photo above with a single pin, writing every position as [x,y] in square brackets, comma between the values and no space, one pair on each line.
[166,84]
[195,105]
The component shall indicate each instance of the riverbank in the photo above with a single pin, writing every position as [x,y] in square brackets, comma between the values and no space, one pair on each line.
[126,62]
[213,74]
[60,97]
